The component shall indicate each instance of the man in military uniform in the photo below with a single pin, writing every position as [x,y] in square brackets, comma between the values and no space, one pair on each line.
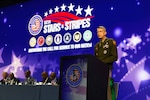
[106,51]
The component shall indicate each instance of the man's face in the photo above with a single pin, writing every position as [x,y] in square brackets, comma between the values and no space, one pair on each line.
[11,76]
[4,75]
[44,75]
[27,74]
[52,75]
[101,33]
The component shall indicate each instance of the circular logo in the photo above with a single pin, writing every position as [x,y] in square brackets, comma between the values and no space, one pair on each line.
[35,25]
[32,42]
[74,75]
[67,37]
[41,41]
[87,35]
[77,36]
[58,38]
[49,39]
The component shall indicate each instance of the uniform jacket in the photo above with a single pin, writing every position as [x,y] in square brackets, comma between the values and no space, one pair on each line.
[106,51]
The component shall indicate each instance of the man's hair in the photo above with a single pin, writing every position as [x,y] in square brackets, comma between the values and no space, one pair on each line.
[102,27]
[28,72]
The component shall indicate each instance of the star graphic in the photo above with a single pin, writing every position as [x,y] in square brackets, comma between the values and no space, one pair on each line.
[78,10]
[133,41]
[45,14]
[71,7]
[136,73]
[120,53]
[147,97]
[50,11]
[1,59]
[63,7]
[56,9]
[88,11]
[15,65]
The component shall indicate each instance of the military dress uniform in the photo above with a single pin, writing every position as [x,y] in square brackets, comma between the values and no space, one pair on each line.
[106,52]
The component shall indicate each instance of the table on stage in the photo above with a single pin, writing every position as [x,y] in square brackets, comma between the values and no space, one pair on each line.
[29,92]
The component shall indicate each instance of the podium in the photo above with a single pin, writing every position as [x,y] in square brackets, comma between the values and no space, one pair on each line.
[83,77]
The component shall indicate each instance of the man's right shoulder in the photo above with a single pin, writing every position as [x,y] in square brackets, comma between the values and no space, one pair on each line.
[96,44]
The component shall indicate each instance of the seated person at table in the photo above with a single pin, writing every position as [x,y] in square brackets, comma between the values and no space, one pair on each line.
[5,78]
[28,79]
[53,79]
[12,80]
[45,78]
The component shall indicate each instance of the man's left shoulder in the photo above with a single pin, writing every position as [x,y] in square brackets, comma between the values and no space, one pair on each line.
[112,41]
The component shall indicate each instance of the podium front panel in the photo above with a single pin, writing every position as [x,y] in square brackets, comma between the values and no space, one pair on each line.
[73,78]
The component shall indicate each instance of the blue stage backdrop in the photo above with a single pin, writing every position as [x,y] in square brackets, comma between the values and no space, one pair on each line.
[35,34]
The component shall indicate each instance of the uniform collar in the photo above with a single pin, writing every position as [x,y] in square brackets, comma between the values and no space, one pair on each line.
[104,40]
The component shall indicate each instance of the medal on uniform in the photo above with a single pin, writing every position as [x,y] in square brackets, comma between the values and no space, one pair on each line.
[105,51]
[106,45]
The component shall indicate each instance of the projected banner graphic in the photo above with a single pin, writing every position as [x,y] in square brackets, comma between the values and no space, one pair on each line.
[62,28]
[35,34]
